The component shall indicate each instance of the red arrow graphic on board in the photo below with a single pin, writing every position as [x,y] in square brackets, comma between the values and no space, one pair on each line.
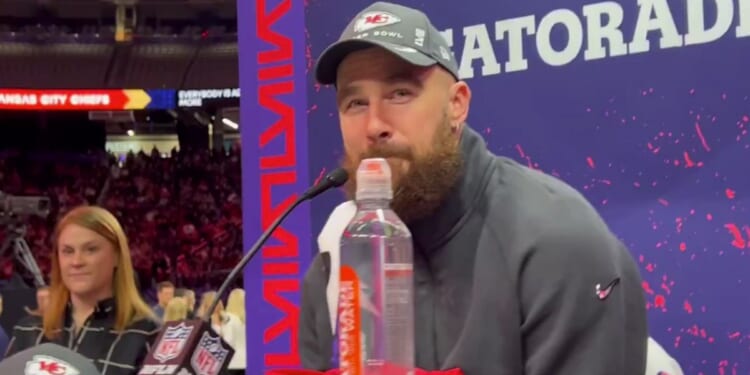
[64,100]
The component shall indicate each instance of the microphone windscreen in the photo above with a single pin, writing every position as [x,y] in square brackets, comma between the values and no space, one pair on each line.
[338,177]
[48,359]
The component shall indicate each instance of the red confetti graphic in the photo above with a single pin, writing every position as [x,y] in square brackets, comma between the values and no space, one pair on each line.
[660,302]
[527,158]
[737,240]
[647,288]
[702,138]
[590,162]
[730,193]
[320,176]
[688,162]
[688,307]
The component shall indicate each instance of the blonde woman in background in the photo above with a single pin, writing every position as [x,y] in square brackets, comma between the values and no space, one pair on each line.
[190,301]
[177,309]
[228,326]
[233,330]
[206,299]
[95,308]
[189,297]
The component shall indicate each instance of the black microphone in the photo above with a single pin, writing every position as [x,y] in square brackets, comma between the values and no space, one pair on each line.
[335,178]
[191,346]
[48,359]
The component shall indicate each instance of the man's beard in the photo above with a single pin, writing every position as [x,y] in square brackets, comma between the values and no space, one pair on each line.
[419,191]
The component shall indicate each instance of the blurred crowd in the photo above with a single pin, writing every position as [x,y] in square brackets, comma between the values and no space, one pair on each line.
[181,211]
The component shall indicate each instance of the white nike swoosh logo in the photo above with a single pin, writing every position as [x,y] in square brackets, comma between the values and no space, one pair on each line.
[603,293]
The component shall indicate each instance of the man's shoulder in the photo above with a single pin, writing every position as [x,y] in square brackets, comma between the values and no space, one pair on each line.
[531,183]
[536,197]
[541,212]
[550,234]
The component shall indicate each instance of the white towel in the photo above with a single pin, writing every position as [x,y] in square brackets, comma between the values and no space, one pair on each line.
[659,362]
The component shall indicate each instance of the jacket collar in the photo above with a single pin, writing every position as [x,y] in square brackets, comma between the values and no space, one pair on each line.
[103,309]
[433,231]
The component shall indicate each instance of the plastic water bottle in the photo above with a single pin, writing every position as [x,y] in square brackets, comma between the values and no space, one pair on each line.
[376,297]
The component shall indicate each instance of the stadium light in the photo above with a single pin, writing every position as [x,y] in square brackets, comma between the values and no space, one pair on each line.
[230,123]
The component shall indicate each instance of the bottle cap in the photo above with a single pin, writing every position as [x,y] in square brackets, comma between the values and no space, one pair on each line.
[374,179]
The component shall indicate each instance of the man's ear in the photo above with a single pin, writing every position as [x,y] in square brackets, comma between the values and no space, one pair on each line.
[460,99]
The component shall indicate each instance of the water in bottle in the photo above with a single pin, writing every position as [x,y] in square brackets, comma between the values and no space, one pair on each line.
[376,303]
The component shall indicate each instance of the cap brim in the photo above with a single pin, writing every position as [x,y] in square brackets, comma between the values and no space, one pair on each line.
[327,66]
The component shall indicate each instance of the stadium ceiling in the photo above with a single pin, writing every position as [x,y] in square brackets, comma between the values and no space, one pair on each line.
[82,9]
[163,62]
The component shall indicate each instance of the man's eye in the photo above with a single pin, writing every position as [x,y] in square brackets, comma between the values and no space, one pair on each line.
[355,103]
[401,95]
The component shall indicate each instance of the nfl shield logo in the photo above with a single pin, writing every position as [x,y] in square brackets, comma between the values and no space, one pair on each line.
[172,342]
[209,356]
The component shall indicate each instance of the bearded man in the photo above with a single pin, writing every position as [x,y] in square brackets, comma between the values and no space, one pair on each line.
[515,272]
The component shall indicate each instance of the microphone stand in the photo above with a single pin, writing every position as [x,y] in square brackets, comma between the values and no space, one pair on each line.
[336,178]
[192,346]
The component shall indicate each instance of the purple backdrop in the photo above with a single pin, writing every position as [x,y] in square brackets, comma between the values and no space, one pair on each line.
[274,171]
[650,124]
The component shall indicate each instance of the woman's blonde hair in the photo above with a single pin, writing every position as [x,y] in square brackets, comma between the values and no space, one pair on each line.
[129,306]
[206,299]
[236,303]
[176,309]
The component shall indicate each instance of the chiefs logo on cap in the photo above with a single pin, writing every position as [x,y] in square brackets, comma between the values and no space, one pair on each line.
[371,20]
[46,365]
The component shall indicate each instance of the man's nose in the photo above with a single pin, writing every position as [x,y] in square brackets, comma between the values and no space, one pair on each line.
[378,129]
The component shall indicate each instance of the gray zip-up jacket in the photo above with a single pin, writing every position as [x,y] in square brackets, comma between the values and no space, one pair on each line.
[514,274]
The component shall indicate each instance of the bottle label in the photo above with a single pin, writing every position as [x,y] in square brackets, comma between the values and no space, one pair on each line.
[399,313]
[350,323]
